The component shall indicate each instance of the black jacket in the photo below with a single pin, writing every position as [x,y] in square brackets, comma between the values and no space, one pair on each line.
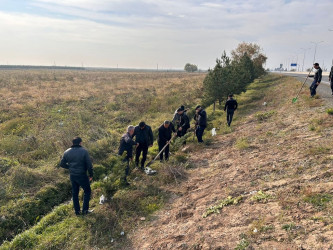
[231,104]
[318,75]
[330,77]
[181,120]
[77,160]
[144,136]
[201,118]
[126,144]
[165,134]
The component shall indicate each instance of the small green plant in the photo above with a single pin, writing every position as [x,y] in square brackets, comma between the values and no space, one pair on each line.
[261,196]
[289,227]
[329,111]
[242,143]
[216,209]
[319,201]
[243,243]
[262,116]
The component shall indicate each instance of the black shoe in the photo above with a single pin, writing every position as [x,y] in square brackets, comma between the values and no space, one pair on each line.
[86,212]
[78,213]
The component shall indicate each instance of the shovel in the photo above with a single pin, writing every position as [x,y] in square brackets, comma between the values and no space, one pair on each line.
[296,98]
[149,163]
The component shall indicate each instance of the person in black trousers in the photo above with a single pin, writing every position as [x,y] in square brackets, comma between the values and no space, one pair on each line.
[182,121]
[77,160]
[126,144]
[201,122]
[316,80]
[330,78]
[230,106]
[164,136]
[144,136]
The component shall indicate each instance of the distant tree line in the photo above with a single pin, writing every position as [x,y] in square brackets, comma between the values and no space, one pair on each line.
[233,75]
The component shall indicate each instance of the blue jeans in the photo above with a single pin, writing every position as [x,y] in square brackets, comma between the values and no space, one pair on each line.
[199,133]
[77,182]
[313,88]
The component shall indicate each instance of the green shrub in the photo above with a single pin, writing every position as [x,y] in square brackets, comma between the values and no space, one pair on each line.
[262,116]
[242,143]
[329,111]
[99,172]
[6,164]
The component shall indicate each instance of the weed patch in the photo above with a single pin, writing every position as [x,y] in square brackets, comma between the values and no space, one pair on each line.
[226,202]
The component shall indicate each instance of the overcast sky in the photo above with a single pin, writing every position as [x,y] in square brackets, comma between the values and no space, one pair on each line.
[170,33]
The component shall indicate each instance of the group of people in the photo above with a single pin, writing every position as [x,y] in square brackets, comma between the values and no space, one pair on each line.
[77,159]
[144,137]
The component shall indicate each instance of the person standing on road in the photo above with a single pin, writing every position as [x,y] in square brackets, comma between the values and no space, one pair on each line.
[316,80]
[126,144]
[164,136]
[201,122]
[230,106]
[330,78]
[182,121]
[78,161]
[144,136]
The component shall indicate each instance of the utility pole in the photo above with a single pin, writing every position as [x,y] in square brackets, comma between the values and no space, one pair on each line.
[316,44]
[304,49]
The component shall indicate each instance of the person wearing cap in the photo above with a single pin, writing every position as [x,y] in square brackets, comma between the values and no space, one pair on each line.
[144,136]
[126,144]
[330,78]
[164,136]
[182,121]
[78,161]
[316,80]
[201,122]
[230,106]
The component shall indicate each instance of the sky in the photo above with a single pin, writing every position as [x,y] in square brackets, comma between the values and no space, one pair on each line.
[162,33]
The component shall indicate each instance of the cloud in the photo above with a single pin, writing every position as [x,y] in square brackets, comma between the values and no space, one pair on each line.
[143,32]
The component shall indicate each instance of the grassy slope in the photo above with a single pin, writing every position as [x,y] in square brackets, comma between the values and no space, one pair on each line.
[43,110]
[281,149]
[276,158]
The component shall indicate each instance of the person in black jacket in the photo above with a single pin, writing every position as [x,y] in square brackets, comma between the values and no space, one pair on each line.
[164,136]
[230,106]
[144,136]
[330,78]
[316,80]
[126,144]
[182,121]
[77,160]
[201,122]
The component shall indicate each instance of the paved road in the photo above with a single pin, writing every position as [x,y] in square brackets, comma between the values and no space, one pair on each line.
[323,90]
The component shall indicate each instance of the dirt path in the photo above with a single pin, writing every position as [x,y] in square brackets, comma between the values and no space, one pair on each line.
[282,157]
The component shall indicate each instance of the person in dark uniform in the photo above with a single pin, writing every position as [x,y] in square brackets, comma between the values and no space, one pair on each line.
[316,80]
[164,136]
[181,121]
[230,106]
[201,122]
[126,144]
[144,136]
[330,78]
[77,160]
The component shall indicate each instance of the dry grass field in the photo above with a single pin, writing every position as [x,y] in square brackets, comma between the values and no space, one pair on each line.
[42,110]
